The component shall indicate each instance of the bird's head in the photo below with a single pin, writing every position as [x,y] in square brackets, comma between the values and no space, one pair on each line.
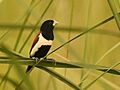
[47,28]
[48,25]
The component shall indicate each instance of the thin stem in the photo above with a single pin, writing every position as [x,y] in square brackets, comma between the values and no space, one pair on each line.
[114,11]
[86,31]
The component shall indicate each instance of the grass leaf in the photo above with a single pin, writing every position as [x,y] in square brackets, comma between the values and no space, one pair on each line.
[22,47]
[28,13]
[115,12]
[114,65]
[60,77]
[57,64]
[86,31]
[10,80]
[49,63]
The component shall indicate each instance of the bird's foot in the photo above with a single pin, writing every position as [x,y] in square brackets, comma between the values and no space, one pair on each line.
[36,59]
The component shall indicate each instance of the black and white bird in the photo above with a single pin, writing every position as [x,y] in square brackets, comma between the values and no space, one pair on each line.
[43,41]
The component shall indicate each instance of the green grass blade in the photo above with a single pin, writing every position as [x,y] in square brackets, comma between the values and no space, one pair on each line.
[61,29]
[20,72]
[26,61]
[1,37]
[109,51]
[6,74]
[16,44]
[107,82]
[30,36]
[10,52]
[70,26]
[101,58]
[59,64]
[60,77]
[69,35]
[115,12]
[22,47]
[86,31]
[18,39]
[49,63]
[10,80]
[86,43]
[28,13]
[114,65]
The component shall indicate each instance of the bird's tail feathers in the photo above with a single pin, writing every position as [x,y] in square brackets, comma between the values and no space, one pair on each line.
[28,69]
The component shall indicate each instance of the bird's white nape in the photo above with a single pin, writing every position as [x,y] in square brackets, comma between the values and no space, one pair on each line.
[55,22]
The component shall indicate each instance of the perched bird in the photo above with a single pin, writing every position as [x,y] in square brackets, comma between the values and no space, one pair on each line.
[42,41]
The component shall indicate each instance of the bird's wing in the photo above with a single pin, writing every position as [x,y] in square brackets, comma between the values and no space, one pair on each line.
[35,41]
[41,41]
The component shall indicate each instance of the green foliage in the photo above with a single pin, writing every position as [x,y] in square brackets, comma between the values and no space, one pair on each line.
[22,31]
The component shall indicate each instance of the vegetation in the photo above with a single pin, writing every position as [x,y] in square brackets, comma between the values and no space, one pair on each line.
[85,49]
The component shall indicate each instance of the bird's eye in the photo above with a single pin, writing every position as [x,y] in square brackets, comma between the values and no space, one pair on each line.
[50,23]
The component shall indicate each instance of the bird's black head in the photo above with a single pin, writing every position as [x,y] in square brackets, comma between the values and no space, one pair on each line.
[47,29]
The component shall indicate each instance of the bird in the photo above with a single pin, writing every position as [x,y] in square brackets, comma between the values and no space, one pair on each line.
[43,41]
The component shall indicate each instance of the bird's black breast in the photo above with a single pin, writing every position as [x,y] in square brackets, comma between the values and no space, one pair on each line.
[42,51]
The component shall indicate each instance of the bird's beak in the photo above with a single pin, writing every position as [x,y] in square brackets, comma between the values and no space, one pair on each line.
[55,22]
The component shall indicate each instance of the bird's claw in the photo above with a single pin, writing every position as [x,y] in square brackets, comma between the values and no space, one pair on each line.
[36,59]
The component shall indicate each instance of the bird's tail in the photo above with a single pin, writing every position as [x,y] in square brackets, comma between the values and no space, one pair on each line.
[28,69]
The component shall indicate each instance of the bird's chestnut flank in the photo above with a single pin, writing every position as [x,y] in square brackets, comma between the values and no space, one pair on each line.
[42,41]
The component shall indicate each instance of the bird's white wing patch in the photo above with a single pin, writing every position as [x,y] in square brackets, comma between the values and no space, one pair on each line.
[41,41]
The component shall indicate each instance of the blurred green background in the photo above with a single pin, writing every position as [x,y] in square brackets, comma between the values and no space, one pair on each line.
[74,16]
